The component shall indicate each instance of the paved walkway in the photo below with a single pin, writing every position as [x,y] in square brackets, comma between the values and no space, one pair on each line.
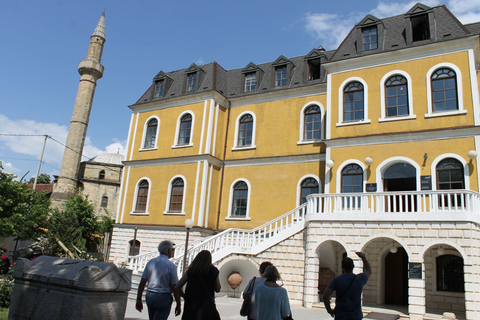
[229,309]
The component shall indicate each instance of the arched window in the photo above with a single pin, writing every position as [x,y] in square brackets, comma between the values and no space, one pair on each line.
[142,196]
[104,202]
[308,186]
[176,195]
[245,131]
[352,179]
[450,175]
[240,199]
[444,90]
[151,134]
[133,247]
[396,95]
[450,276]
[352,182]
[353,102]
[313,123]
[101,175]
[185,129]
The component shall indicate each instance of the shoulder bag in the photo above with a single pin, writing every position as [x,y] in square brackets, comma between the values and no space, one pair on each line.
[247,298]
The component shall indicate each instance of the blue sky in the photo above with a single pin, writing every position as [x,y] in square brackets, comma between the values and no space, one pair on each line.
[42,43]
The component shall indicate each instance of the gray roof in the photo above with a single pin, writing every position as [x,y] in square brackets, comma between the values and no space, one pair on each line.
[100,28]
[445,27]
[393,34]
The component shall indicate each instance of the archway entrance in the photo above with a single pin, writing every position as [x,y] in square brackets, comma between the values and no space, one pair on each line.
[396,277]
[400,177]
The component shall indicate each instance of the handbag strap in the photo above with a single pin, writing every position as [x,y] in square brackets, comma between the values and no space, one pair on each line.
[346,290]
[251,284]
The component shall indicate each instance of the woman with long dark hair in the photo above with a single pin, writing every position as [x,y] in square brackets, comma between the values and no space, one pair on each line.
[202,283]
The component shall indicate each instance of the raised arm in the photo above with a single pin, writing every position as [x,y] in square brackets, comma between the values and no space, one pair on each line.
[366,265]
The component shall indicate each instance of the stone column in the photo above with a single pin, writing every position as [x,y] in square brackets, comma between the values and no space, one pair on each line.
[416,296]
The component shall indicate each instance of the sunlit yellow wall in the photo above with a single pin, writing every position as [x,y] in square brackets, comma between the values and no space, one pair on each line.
[273,190]
[166,134]
[277,128]
[417,69]
[414,150]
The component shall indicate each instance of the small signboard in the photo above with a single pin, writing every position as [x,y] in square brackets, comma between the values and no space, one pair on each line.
[426,182]
[371,187]
[414,270]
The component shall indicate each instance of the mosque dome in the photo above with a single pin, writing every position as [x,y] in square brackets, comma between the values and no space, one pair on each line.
[110,158]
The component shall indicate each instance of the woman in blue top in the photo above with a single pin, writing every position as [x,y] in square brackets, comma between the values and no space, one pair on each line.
[271,299]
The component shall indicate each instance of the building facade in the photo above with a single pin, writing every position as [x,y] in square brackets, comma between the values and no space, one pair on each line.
[301,161]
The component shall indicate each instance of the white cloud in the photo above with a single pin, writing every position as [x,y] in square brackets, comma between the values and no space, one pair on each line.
[329,29]
[31,144]
[9,168]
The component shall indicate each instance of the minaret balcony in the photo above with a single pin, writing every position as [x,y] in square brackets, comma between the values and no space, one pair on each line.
[91,67]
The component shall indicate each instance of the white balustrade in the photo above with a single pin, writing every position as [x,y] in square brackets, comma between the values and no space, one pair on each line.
[245,241]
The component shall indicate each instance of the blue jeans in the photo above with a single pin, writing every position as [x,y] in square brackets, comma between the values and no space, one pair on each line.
[159,305]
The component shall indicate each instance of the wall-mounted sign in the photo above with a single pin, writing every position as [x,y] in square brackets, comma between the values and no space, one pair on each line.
[414,270]
[426,182]
[371,187]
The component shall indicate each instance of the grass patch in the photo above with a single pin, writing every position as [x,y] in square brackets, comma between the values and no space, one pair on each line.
[4,314]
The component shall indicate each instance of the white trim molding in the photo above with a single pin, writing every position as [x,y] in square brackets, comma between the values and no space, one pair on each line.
[341,121]
[133,212]
[383,105]
[144,135]
[169,194]
[301,139]
[299,186]
[230,200]
[436,161]
[237,128]
[177,131]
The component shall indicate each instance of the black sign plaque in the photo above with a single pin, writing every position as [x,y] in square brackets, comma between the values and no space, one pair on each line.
[426,182]
[371,187]
[414,270]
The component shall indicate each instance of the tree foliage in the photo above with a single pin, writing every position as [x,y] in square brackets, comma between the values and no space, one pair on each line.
[76,226]
[43,178]
[22,211]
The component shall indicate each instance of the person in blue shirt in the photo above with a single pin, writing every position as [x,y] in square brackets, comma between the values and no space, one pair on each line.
[349,287]
[161,276]
[271,299]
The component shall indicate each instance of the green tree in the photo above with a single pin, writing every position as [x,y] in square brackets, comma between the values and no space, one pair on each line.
[74,225]
[22,211]
[43,178]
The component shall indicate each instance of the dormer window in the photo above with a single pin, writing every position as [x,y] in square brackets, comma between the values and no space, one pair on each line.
[313,69]
[281,76]
[420,27]
[370,38]
[250,81]
[191,82]
[159,88]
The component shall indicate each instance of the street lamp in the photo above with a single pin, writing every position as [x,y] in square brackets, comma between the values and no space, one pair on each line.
[188,225]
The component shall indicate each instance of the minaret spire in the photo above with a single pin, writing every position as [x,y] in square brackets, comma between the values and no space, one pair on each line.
[90,71]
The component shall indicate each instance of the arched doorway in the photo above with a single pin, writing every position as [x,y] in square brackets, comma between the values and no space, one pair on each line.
[396,277]
[400,177]
[330,256]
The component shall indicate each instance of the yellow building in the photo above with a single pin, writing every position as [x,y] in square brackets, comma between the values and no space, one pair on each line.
[301,161]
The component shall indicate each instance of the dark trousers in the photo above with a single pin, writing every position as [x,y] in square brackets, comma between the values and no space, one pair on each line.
[159,305]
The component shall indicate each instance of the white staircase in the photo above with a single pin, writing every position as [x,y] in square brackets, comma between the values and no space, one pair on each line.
[234,241]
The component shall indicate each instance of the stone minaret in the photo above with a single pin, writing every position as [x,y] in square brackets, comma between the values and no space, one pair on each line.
[90,70]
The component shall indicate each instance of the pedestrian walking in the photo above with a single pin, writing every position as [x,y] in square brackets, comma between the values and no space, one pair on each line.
[271,299]
[160,276]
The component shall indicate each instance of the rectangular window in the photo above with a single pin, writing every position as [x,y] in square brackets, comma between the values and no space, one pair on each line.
[191,82]
[420,27]
[281,76]
[370,38]
[250,81]
[159,87]
[314,69]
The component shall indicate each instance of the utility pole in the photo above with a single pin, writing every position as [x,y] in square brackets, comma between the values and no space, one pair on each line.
[40,163]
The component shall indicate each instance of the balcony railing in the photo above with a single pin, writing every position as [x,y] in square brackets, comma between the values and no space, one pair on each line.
[447,201]
[375,204]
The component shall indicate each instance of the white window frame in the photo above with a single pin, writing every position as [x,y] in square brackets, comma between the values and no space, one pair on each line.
[466,171]
[177,130]
[169,194]
[346,163]
[458,73]
[146,213]
[383,105]
[299,186]
[302,139]
[230,201]
[237,128]
[145,128]
[341,121]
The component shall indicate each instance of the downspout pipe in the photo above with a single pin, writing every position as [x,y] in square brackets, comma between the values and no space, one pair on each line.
[223,164]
